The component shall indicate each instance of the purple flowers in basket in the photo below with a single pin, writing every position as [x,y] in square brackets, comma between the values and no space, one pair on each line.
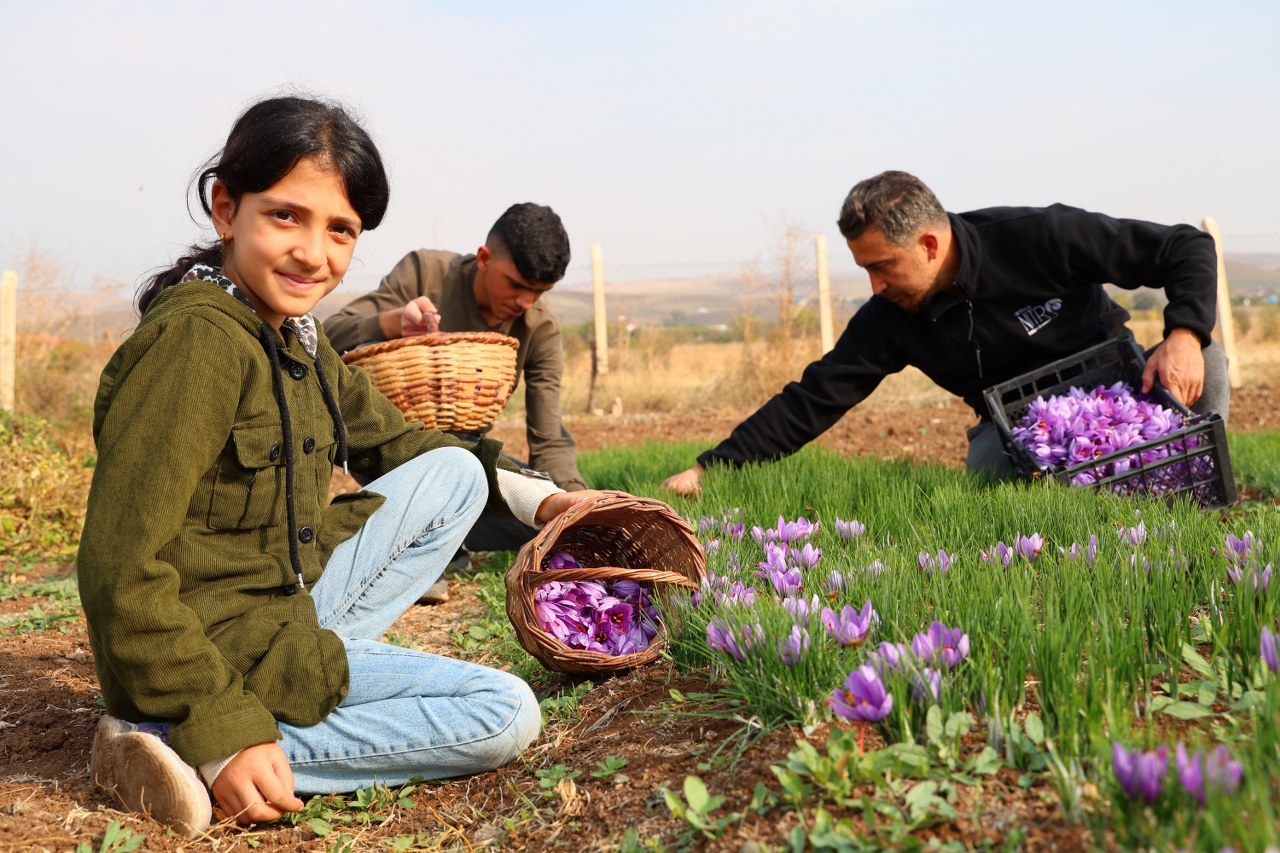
[614,617]
[1081,426]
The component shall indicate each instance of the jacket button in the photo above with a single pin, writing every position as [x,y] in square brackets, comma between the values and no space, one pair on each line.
[297,370]
[308,445]
[305,535]
[275,453]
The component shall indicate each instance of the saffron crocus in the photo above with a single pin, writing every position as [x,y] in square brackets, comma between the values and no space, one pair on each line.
[1029,547]
[796,644]
[801,610]
[735,641]
[1269,648]
[735,529]
[1261,578]
[863,697]
[941,644]
[1239,549]
[1200,773]
[804,558]
[998,553]
[941,563]
[851,529]
[927,685]
[835,583]
[1134,536]
[563,560]
[710,546]
[850,627]
[1140,774]
[889,657]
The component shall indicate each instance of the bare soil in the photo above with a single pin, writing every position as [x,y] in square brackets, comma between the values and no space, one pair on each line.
[49,704]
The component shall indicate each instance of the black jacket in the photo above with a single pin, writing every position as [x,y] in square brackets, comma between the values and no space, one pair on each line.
[1033,278]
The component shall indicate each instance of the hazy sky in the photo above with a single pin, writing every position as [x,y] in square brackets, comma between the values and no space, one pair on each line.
[680,136]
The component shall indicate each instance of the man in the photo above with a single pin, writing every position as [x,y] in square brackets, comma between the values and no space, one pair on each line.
[974,299]
[497,289]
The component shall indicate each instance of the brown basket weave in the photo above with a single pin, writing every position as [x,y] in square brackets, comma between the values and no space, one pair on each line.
[448,380]
[615,537]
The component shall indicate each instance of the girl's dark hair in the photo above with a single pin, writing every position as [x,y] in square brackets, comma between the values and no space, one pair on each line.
[266,142]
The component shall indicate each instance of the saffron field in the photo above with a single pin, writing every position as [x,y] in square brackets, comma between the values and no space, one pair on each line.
[1124,648]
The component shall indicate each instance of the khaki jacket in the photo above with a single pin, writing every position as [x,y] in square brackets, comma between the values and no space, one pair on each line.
[184,565]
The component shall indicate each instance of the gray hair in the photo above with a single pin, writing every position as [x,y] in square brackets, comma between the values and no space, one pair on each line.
[897,203]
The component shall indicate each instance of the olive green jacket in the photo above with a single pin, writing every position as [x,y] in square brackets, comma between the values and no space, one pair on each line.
[184,565]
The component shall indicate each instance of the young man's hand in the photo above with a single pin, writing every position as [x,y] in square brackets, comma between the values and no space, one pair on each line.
[553,505]
[418,317]
[687,482]
[1179,364]
[257,785]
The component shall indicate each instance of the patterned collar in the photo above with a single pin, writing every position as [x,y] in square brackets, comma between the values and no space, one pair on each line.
[303,328]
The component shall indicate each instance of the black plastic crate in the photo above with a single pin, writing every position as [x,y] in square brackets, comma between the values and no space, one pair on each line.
[1192,463]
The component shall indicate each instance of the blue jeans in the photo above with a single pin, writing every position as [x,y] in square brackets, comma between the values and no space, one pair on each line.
[408,713]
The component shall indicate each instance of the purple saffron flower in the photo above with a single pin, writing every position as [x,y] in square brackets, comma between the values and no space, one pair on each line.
[851,529]
[1140,774]
[804,558]
[706,523]
[876,568]
[863,697]
[926,684]
[941,563]
[735,530]
[1029,546]
[1200,773]
[724,637]
[999,553]
[801,610]
[941,644]
[850,627]
[1134,536]
[889,657]
[710,546]
[835,583]
[796,644]
[1269,648]
[1238,550]
[563,560]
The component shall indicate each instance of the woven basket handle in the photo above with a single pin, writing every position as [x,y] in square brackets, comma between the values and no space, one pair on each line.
[596,573]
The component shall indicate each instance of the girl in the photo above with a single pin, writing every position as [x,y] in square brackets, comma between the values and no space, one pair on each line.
[234,617]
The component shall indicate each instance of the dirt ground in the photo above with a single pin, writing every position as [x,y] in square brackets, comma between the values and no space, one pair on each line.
[49,704]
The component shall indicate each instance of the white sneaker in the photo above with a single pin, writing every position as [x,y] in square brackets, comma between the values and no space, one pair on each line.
[149,777]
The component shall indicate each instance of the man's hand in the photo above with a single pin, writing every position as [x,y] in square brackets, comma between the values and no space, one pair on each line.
[1179,364]
[687,482]
[257,785]
[419,317]
[553,505]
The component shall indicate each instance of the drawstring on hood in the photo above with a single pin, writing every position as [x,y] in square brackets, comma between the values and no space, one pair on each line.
[977,348]
[339,428]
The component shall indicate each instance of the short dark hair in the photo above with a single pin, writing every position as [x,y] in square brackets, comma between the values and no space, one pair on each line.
[533,236]
[897,203]
[266,142]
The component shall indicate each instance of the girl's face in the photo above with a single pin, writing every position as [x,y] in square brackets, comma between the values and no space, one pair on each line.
[290,244]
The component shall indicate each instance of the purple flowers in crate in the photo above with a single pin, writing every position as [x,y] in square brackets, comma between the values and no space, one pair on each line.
[614,617]
[863,697]
[1200,773]
[1081,426]
[1140,774]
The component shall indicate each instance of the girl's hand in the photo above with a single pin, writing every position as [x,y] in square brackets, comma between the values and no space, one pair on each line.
[553,505]
[257,785]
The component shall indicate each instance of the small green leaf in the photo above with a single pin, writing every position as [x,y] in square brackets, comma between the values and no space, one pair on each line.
[1034,727]
[320,827]
[1187,711]
[1196,662]
[696,793]
[933,724]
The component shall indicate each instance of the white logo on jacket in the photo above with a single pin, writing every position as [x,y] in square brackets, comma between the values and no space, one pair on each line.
[1035,317]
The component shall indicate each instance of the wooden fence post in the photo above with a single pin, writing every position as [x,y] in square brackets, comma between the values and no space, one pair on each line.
[8,338]
[824,295]
[602,322]
[1226,325]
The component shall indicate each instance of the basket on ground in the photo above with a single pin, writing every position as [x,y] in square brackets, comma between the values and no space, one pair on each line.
[1191,462]
[457,381]
[614,537]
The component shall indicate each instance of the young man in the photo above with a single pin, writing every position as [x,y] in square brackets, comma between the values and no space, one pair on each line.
[496,289]
[974,299]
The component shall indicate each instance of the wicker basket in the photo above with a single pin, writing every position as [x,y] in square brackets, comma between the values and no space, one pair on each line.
[614,537]
[457,381]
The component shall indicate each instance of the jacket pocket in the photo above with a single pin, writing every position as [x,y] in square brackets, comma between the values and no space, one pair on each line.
[249,490]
